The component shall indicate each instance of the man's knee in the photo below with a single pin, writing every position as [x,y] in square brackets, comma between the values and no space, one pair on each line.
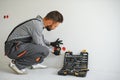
[45,51]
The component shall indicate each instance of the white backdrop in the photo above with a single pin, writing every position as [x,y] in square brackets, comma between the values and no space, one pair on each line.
[93,25]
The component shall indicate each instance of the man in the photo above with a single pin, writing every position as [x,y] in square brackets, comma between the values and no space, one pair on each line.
[26,45]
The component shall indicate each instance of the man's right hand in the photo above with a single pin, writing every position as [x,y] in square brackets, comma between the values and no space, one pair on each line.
[56,43]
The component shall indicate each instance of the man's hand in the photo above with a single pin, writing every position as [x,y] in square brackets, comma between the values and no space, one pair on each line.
[57,51]
[56,43]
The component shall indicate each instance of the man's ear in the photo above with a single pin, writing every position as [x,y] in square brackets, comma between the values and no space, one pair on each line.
[49,22]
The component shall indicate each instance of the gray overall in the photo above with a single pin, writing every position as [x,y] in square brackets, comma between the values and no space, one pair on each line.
[26,44]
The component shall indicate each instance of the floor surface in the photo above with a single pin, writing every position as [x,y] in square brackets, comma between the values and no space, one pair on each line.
[51,74]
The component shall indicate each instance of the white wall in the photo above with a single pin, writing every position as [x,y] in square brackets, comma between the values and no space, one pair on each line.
[88,24]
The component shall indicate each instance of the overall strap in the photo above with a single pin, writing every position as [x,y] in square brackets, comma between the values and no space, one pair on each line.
[20,25]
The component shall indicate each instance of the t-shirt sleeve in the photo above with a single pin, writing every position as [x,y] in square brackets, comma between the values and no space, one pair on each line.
[35,31]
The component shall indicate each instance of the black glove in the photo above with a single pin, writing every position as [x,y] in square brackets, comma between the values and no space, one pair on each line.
[56,43]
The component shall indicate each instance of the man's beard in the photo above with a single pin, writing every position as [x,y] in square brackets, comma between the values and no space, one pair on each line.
[48,28]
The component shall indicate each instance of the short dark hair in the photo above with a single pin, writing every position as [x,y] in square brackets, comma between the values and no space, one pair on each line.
[55,16]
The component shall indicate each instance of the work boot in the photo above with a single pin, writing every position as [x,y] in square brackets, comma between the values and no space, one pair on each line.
[16,69]
[38,66]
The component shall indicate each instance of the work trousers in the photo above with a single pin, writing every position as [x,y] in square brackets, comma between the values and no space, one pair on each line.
[25,54]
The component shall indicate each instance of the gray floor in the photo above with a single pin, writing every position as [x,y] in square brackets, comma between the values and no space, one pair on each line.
[51,74]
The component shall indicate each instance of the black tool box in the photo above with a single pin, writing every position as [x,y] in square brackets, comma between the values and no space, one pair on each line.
[76,65]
